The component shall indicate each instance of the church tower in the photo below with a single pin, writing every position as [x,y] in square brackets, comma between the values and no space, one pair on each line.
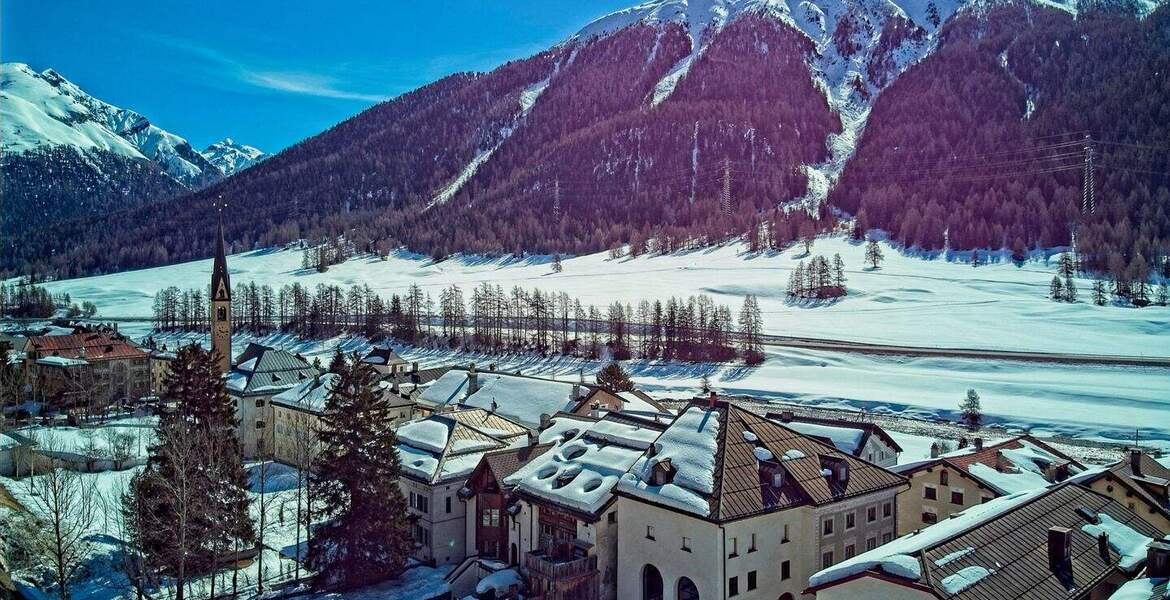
[221,306]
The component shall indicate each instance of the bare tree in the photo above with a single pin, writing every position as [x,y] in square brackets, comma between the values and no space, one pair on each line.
[119,447]
[306,446]
[64,505]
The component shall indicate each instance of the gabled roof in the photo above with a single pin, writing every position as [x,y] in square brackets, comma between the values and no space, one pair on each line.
[716,455]
[97,346]
[309,395]
[420,377]
[264,370]
[999,549]
[506,462]
[382,355]
[1009,466]
[520,398]
[444,446]
[1150,474]
[847,436]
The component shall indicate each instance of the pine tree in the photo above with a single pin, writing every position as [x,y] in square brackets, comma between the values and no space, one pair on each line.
[337,363]
[557,267]
[365,535]
[1163,295]
[750,327]
[838,271]
[614,378]
[1056,289]
[1070,289]
[873,254]
[971,410]
[1099,292]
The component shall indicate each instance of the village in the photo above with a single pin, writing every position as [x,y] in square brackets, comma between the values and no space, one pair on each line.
[516,486]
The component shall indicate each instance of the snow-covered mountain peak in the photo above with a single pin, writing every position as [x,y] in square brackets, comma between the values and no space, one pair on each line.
[45,109]
[231,157]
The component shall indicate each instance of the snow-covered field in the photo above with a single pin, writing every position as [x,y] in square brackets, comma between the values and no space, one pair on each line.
[909,300]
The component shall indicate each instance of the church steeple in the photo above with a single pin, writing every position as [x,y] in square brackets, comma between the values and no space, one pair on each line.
[221,304]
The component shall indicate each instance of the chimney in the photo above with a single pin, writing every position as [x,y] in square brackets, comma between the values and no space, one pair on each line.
[1103,545]
[595,410]
[787,416]
[494,407]
[394,386]
[414,367]
[962,442]
[934,450]
[711,400]
[545,421]
[978,444]
[1158,559]
[472,380]
[492,367]
[1135,461]
[533,437]
[1059,547]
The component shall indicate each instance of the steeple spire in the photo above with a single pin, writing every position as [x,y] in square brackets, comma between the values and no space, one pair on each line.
[221,287]
[221,302]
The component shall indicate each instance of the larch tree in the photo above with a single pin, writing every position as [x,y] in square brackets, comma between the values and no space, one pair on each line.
[873,254]
[971,410]
[614,378]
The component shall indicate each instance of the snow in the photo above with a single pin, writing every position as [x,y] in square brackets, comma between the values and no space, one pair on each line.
[897,554]
[420,463]
[521,399]
[427,434]
[953,556]
[624,433]
[763,454]
[309,395]
[690,443]
[44,109]
[846,439]
[1029,462]
[996,306]
[231,157]
[1138,589]
[750,437]
[499,582]
[448,191]
[1130,544]
[964,578]
[793,454]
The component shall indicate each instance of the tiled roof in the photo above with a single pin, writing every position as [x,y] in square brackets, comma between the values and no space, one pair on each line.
[1150,473]
[462,447]
[264,370]
[420,377]
[992,553]
[991,458]
[869,429]
[488,422]
[98,346]
[739,490]
[505,462]
[988,455]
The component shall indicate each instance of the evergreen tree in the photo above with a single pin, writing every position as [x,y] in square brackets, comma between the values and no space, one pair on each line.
[557,267]
[1056,289]
[750,328]
[365,535]
[971,410]
[873,254]
[1070,289]
[614,378]
[337,363]
[1099,292]
[838,271]
[1163,295]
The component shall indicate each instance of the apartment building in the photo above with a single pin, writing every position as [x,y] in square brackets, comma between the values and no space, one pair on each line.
[1059,542]
[952,482]
[117,370]
[862,439]
[259,374]
[727,503]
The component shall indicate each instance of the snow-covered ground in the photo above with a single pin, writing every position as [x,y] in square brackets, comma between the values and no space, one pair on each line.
[910,300]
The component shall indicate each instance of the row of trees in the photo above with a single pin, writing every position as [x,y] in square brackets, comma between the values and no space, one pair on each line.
[489,319]
[28,301]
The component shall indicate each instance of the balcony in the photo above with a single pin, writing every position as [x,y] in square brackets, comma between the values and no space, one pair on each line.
[542,564]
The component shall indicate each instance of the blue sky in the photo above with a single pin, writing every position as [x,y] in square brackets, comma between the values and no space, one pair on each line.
[270,73]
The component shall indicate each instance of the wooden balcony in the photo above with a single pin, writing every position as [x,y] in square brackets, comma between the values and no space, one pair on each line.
[552,578]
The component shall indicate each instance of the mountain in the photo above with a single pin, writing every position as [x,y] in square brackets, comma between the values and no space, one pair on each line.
[687,122]
[230,157]
[66,153]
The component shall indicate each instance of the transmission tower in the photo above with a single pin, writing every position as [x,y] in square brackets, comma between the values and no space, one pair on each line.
[725,197]
[1088,198]
[557,200]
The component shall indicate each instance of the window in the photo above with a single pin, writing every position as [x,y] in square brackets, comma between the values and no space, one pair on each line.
[850,551]
[944,477]
[957,497]
[650,532]
[827,526]
[686,544]
[887,510]
[447,503]
[733,586]
[751,580]
[930,492]
[826,559]
[491,517]
[871,514]
[259,403]
[886,537]
[850,520]
[929,517]
[734,548]
[870,543]
[752,548]
[985,499]
[785,571]
[784,540]
[611,517]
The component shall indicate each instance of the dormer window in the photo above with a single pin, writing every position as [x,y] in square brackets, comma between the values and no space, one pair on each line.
[662,472]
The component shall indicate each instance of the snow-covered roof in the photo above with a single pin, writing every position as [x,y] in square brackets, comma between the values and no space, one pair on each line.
[846,439]
[448,446]
[690,444]
[61,361]
[519,398]
[1143,589]
[264,370]
[987,545]
[588,459]
[1014,465]
[310,395]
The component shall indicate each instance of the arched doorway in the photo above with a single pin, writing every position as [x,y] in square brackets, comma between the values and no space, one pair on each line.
[651,583]
[687,589]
